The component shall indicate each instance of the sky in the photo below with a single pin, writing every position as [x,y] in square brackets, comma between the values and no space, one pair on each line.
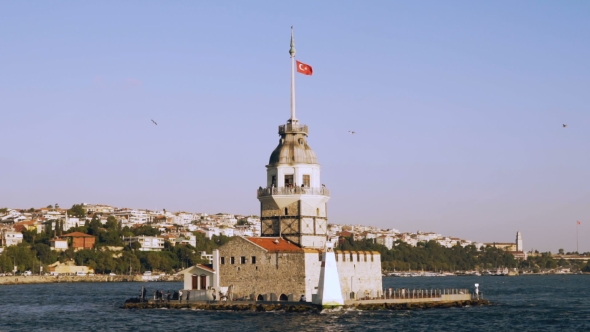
[458,108]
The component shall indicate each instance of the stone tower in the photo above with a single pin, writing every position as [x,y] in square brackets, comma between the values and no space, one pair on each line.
[519,241]
[293,203]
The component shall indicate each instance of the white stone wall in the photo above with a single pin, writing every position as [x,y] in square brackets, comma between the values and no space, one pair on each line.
[361,274]
[297,170]
[364,275]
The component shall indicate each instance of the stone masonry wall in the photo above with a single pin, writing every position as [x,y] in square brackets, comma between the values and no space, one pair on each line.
[271,275]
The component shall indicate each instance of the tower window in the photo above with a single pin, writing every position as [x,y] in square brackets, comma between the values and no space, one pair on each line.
[317,211]
[286,211]
[288,180]
[306,180]
[273,181]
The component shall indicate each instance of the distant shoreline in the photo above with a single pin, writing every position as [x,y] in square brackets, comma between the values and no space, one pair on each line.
[24,280]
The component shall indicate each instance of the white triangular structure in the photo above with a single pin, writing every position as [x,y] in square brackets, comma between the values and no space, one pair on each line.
[329,291]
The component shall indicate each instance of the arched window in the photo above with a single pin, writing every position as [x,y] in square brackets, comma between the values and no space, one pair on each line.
[260,297]
[286,211]
[317,211]
[283,297]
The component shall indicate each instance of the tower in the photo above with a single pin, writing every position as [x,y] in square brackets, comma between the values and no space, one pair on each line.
[293,204]
[519,241]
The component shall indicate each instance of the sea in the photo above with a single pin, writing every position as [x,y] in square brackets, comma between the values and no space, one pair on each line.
[519,303]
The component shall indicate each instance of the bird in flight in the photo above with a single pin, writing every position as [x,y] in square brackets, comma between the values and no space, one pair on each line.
[352,132]
[154,122]
[564,125]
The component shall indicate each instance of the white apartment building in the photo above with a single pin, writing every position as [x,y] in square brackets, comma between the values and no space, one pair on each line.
[183,218]
[386,241]
[148,243]
[11,238]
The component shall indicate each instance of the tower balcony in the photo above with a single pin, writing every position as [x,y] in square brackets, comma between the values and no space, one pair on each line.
[283,191]
[293,128]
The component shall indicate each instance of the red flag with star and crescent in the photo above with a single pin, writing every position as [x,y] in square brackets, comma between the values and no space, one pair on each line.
[303,68]
[579,223]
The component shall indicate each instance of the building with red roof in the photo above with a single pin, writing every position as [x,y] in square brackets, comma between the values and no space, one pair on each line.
[79,240]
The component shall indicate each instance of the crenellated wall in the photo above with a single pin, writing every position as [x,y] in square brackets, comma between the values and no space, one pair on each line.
[363,275]
[360,272]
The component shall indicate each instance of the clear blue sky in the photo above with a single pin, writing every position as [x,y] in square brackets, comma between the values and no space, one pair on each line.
[458,106]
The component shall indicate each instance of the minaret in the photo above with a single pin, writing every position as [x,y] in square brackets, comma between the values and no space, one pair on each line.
[519,246]
[293,204]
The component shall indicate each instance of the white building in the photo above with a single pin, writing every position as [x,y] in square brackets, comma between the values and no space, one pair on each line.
[147,243]
[11,238]
[385,240]
[58,244]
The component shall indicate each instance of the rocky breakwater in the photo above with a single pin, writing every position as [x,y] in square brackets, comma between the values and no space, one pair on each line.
[418,305]
[294,306]
[19,280]
[226,306]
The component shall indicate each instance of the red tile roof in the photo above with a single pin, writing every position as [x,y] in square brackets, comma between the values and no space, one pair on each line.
[274,244]
[206,267]
[77,234]
[346,234]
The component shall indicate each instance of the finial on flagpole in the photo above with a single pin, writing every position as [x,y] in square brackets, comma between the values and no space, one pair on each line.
[292,50]
[292,53]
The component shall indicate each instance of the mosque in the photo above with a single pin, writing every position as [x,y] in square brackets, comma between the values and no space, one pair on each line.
[293,259]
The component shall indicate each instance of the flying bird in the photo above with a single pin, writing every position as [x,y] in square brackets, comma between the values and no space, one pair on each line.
[154,122]
[564,125]
[352,132]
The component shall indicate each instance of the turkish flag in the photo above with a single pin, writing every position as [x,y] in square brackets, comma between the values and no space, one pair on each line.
[303,68]
[579,223]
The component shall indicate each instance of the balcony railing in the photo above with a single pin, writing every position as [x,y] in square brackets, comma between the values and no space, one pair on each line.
[292,128]
[323,191]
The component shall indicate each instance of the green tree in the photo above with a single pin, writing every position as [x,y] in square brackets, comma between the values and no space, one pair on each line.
[45,254]
[77,211]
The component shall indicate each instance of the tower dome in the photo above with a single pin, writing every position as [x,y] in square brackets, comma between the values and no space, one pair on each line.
[293,147]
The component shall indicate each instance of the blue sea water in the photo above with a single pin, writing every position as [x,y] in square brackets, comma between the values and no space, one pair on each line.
[520,303]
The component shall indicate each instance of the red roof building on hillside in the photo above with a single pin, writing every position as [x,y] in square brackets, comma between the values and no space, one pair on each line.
[81,240]
[346,234]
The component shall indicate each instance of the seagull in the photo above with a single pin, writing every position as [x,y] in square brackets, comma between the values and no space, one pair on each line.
[351,132]
[154,122]
[564,125]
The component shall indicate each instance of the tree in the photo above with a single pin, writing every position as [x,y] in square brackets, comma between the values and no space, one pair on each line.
[560,251]
[242,222]
[3,210]
[50,206]
[77,211]
[45,254]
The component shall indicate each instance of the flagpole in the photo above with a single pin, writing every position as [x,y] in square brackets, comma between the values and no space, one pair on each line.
[577,237]
[292,53]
